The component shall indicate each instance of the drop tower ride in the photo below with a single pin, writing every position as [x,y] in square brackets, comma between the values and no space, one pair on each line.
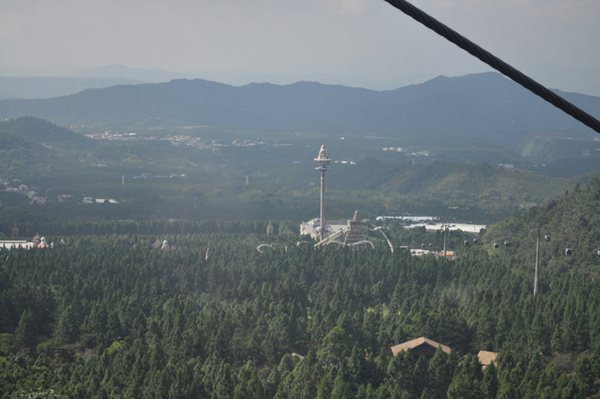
[322,161]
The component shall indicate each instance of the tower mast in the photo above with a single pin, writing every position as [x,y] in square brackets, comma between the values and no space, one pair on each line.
[536,278]
[322,161]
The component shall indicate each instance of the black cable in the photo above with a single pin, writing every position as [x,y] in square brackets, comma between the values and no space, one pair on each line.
[496,63]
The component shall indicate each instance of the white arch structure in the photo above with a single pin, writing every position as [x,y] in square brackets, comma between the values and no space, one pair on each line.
[332,238]
[261,246]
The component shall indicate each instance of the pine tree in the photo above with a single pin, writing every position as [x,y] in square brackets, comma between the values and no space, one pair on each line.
[420,376]
[27,331]
[584,374]
[440,374]
[489,384]
[466,383]
[400,370]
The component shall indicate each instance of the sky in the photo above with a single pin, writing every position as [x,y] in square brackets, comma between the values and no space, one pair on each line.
[359,43]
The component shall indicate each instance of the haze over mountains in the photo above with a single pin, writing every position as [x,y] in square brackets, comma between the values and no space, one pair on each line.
[60,80]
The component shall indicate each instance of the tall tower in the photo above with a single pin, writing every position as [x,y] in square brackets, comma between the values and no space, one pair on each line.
[322,161]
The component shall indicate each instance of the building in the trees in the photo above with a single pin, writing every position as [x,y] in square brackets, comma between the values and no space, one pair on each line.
[43,243]
[354,233]
[341,232]
[486,358]
[420,347]
[312,227]
[16,244]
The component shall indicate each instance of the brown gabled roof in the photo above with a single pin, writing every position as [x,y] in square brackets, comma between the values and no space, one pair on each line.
[418,342]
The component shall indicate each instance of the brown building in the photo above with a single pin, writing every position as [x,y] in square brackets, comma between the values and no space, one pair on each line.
[420,347]
[486,358]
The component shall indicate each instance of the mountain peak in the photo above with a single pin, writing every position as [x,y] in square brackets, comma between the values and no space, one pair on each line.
[151,75]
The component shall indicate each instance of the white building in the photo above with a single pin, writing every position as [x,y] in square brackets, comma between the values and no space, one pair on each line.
[16,244]
[312,227]
[467,228]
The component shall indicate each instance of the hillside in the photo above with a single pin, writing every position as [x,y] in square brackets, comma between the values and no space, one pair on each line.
[571,221]
[451,180]
[476,192]
[16,147]
[45,133]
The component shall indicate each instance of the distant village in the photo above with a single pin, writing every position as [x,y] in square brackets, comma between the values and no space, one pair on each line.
[405,152]
[177,140]
[183,140]
[36,199]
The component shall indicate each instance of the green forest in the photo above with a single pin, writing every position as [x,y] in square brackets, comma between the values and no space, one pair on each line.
[107,314]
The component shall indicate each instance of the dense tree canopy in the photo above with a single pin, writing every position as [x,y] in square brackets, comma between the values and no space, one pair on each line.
[109,315]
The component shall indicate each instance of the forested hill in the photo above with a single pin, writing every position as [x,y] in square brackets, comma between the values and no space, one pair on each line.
[570,222]
[45,133]
[478,105]
[112,316]
[451,181]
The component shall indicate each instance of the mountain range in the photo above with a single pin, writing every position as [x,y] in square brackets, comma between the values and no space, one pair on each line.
[480,111]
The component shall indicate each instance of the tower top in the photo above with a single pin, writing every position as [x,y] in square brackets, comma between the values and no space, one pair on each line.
[322,159]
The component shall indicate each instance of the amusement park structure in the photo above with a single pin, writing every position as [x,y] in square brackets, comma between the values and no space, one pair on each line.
[341,232]
[323,162]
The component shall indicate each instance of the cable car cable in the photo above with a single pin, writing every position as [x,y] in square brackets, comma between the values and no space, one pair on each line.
[496,63]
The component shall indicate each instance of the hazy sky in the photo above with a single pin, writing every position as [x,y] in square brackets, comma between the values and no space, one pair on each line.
[365,43]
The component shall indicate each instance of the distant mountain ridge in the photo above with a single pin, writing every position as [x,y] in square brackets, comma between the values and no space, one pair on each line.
[149,75]
[480,105]
[57,80]
[41,87]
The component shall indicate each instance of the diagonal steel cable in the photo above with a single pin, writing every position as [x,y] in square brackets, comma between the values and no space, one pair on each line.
[496,63]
